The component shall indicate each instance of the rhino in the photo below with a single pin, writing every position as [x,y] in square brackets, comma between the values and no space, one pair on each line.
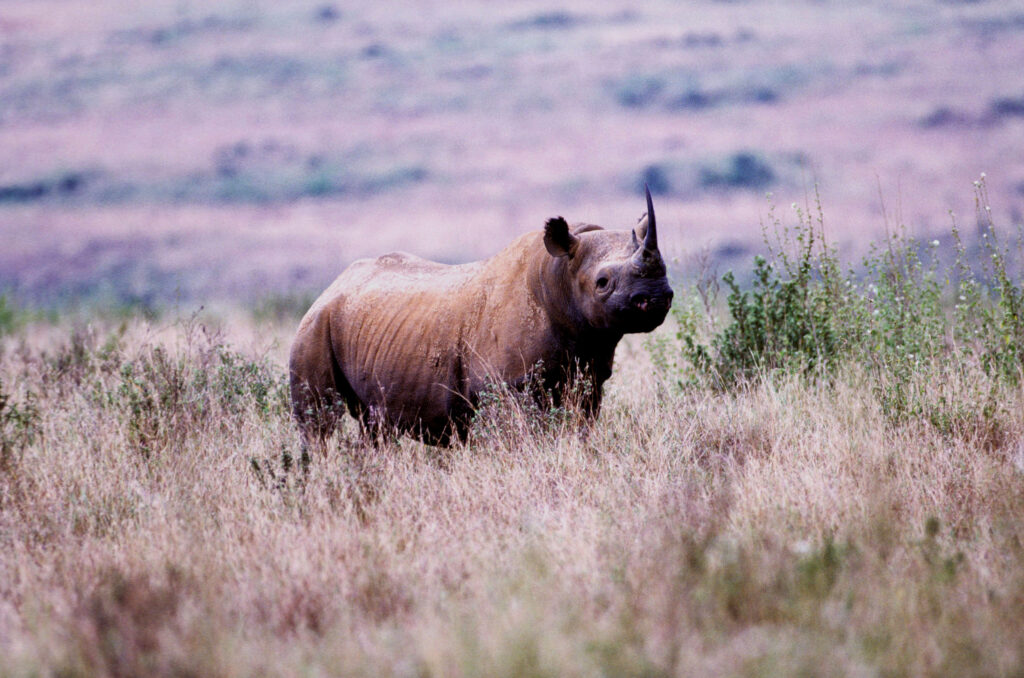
[409,345]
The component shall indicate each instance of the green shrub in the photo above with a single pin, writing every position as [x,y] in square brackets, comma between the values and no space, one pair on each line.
[514,413]
[936,341]
[795,316]
[11,317]
[283,308]
[163,394]
[19,427]
[7,315]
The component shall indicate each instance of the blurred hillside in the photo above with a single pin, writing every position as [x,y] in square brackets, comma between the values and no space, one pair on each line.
[236,150]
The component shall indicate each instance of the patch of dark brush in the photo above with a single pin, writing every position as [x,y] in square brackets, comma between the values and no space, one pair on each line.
[683,91]
[471,73]
[698,40]
[234,73]
[744,170]
[273,172]
[732,249]
[63,186]
[943,116]
[638,91]
[41,101]
[241,173]
[189,27]
[555,20]
[375,50]
[884,69]
[758,95]
[997,111]
[674,91]
[326,14]
[990,26]
[659,178]
[693,98]
[1007,107]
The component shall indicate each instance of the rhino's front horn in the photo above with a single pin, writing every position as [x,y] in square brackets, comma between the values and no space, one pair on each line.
[651,238]
[649,248]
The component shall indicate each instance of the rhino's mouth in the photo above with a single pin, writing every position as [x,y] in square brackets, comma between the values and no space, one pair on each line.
[644,312]
[650,303]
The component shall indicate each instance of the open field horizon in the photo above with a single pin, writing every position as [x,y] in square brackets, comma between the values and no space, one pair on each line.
[227,150]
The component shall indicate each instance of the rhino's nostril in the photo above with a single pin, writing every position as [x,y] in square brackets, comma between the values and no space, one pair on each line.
[645,302]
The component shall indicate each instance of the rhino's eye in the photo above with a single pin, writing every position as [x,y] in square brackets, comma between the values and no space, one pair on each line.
[602,282]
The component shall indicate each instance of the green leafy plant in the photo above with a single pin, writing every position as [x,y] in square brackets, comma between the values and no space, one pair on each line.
[19,426]
[792,317]
[935,341]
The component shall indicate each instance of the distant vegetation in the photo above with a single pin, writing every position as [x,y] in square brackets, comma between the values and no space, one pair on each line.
[681,91]
[139,135]
[743,170]
[1001,109]
[239,173]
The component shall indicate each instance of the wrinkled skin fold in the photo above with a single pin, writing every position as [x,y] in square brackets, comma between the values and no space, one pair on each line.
[406,344]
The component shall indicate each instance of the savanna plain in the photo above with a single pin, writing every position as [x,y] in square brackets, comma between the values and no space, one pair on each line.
[814,467]
[824,480]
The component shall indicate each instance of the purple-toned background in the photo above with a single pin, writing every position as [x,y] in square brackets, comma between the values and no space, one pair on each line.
[238,150]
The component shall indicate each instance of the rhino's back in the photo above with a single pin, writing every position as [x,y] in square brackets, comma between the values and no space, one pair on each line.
[391,274]
[396,329]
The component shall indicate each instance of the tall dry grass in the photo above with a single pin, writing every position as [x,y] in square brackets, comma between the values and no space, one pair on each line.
[157,518]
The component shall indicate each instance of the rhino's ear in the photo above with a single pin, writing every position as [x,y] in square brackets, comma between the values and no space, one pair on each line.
[558,240]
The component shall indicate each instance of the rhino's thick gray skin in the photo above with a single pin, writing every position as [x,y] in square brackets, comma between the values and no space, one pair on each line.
[409,344]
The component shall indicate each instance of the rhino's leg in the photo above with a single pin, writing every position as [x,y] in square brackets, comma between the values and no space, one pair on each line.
[591,377]
[451,430]
[319,390]
[576,385]
[373,430]
[316,413]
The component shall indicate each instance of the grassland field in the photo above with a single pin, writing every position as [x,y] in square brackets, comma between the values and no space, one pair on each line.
[839,500]
[815,470]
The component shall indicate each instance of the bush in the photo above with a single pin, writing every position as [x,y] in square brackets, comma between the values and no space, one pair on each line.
[11,317]
[164,395]
[19,427]
[793,317]
[925,335]
[161,395]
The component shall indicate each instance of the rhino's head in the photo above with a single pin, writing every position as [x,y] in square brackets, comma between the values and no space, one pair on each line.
[615,279]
